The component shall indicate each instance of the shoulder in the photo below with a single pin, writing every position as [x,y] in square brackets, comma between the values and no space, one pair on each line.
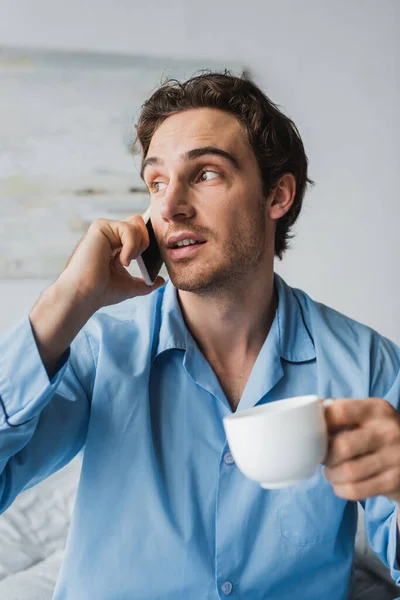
[358,348]
[134,318]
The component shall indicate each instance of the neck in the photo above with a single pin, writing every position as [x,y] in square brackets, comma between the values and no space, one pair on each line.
[232,325]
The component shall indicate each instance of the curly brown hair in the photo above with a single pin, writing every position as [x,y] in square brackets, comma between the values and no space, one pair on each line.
[274,137]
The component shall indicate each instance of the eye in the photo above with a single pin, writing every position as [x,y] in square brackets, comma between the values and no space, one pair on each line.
[156,186]
[208,175]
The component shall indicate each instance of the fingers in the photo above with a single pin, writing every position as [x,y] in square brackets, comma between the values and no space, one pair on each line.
[350,444]
[370,437]
[347,412]
[129,237]
[362,467]
[142,289]
[386,483]
[136,286]
[363,449]
[134,237]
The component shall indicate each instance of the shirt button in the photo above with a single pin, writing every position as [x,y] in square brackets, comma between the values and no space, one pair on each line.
[228,459]
[226,588]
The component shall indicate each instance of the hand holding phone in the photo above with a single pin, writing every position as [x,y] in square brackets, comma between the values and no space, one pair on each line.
[150,261]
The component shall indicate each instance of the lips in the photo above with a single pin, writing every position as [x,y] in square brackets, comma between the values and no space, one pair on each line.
[184,251]
[185,235]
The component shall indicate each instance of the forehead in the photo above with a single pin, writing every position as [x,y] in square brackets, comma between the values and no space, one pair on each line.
[183,131]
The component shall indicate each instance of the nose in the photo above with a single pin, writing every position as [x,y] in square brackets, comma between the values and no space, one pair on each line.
[175,204]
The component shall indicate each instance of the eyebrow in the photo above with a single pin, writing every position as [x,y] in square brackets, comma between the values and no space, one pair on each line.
[191,155]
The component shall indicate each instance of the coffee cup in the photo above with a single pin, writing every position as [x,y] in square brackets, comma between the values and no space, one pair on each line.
[279,443]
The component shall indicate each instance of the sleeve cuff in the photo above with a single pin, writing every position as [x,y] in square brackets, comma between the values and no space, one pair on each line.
[24,384]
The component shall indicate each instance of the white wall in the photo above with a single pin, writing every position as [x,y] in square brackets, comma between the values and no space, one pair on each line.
[332,65]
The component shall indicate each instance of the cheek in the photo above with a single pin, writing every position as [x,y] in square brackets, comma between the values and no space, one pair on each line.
[229,211]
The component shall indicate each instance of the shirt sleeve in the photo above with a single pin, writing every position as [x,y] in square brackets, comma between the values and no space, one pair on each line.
[43,422]
[380,512]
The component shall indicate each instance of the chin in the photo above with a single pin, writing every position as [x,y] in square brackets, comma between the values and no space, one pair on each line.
[188,278]
[185,283]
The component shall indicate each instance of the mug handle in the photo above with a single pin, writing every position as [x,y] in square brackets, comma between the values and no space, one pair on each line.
[327,402]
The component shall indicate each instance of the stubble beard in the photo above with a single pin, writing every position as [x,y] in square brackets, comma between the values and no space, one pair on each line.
[243,252]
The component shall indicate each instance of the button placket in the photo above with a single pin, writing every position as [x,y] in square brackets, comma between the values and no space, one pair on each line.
[228,459]
[226,588]
[225,535]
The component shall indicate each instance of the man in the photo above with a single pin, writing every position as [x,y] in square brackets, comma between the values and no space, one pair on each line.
[162,511]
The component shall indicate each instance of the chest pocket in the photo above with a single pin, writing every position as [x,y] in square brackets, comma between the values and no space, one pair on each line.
[311,513]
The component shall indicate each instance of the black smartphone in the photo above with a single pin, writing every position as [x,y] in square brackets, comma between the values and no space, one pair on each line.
[150,261]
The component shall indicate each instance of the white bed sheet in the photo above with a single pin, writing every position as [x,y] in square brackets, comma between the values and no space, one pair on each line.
[33,534]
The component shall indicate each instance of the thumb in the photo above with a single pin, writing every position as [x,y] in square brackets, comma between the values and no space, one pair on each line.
[142,289]
[159,282]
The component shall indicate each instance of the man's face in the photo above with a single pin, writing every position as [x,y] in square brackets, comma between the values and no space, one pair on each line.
[216,196]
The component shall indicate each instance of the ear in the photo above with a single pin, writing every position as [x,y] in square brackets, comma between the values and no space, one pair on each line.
[282,196]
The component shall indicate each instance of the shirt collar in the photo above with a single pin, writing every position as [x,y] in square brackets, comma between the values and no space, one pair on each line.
[173,328]
[295,340]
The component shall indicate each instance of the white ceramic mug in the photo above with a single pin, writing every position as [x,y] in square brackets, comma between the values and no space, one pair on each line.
[280,443]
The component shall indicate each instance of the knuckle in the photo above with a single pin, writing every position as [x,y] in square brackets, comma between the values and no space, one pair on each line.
[341,411]
[389,430]
[133,224]
[377,463]
[394,429]
[340,492]
[135,221]
[384,408]
[128,229]
[339,408]
[347,491]
[354,493]
[136,236]
[392,479]
[343,446]
[97,223]
[349,471]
